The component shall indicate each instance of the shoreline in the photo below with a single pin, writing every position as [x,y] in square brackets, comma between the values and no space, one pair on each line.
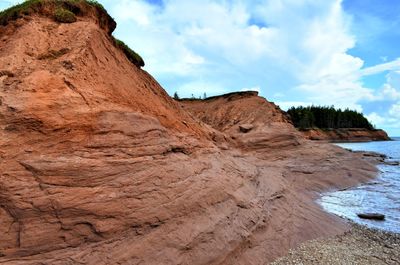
[350,170]
[288,183]
[307,168]
[360,245]
[349,141]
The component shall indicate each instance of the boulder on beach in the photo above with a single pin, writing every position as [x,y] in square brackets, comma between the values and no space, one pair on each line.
[372,216]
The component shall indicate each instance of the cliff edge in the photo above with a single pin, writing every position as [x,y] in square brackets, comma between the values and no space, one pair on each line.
[252,121]
[346,135]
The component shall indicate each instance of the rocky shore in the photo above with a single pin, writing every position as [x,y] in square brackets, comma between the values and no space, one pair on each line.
[360,245]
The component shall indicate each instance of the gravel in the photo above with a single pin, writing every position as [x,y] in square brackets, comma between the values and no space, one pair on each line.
[360,245]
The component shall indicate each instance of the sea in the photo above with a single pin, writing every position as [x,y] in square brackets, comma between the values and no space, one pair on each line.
[380,195]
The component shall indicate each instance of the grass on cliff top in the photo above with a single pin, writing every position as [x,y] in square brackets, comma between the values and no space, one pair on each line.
[18,11]
[132,56]
[64,16]
[65,11]
[31,6]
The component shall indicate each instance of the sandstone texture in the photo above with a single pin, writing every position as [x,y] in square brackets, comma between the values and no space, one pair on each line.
[346,135]
[248,119]
[98,165]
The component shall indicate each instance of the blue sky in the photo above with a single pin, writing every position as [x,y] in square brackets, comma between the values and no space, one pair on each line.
[324,52]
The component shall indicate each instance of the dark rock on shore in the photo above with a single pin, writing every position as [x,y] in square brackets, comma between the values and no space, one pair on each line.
[372,216]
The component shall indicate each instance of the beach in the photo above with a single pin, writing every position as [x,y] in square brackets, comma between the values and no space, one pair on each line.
[360,245]
[367,241]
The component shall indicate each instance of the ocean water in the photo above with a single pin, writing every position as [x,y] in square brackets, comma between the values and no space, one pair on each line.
[380,195]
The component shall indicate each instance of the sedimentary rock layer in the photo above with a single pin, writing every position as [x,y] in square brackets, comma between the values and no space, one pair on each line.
[346,135]
[98,165]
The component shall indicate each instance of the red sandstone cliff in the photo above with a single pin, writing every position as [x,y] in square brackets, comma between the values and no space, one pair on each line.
[246,117]
[98,165]
[346,135]
[229,112]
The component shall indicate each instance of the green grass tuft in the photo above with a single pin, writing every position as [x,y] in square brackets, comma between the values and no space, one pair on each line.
[31,6]
[65,11]
[96,4]
[17,11]
[64,16]
[132,56]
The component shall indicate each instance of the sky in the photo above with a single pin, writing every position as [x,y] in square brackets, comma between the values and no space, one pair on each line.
[294,52]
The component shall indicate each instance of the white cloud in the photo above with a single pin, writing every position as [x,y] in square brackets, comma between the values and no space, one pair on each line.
[296,47]
[342,92]
[395,111]
[388,98]
[375,118]
[389,120]
[388,66]
[304,49]
[388,93]
[138,11]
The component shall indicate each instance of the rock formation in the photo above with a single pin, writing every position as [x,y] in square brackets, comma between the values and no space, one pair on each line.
[247,118]
[230,112]
[346,135]
[98,165]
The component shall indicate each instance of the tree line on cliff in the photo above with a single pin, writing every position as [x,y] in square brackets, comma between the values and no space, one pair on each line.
[327,118]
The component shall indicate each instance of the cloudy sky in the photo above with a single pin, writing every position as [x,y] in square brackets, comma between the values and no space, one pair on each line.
[294,52]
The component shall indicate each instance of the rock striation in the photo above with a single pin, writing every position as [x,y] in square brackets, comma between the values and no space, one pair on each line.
[98,165]
[248,119]
[346,135]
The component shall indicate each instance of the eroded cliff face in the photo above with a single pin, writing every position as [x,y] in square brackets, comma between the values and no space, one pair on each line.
[90,144]
[346,135]
[227,112]
[248,119]
[98,165]
[242,114]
